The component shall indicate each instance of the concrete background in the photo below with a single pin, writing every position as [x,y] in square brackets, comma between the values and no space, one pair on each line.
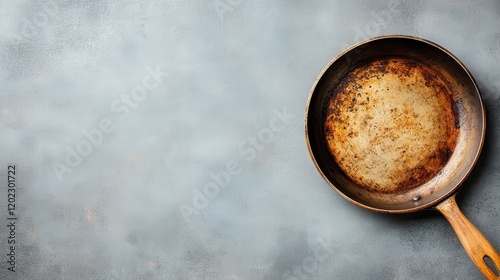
[197,167]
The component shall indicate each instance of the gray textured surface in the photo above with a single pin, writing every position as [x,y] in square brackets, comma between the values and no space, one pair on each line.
[235,67]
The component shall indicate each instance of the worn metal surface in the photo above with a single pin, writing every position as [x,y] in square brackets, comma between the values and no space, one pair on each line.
[391,125]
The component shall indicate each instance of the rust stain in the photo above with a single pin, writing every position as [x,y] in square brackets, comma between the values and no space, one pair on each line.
[392,124]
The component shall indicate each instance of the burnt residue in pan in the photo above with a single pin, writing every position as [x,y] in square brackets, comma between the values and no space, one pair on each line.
[392,124]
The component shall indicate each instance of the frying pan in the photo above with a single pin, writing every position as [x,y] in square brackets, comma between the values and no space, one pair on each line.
[395,124]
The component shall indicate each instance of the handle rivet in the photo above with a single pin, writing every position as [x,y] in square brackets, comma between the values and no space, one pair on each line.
[416,198]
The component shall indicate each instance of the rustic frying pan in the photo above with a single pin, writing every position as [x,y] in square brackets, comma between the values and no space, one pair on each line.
[395,124]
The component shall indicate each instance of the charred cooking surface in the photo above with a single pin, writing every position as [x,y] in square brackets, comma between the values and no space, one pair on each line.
[391,124]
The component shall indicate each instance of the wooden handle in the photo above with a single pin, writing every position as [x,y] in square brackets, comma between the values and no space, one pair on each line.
[474,242]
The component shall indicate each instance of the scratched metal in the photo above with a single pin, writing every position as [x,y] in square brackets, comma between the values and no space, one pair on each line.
[391,124]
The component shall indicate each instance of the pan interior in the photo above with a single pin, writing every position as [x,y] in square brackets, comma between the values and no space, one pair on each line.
[390,124]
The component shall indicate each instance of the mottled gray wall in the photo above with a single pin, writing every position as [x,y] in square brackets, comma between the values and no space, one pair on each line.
[220,90]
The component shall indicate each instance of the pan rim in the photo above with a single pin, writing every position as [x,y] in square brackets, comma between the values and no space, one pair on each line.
[452,190]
